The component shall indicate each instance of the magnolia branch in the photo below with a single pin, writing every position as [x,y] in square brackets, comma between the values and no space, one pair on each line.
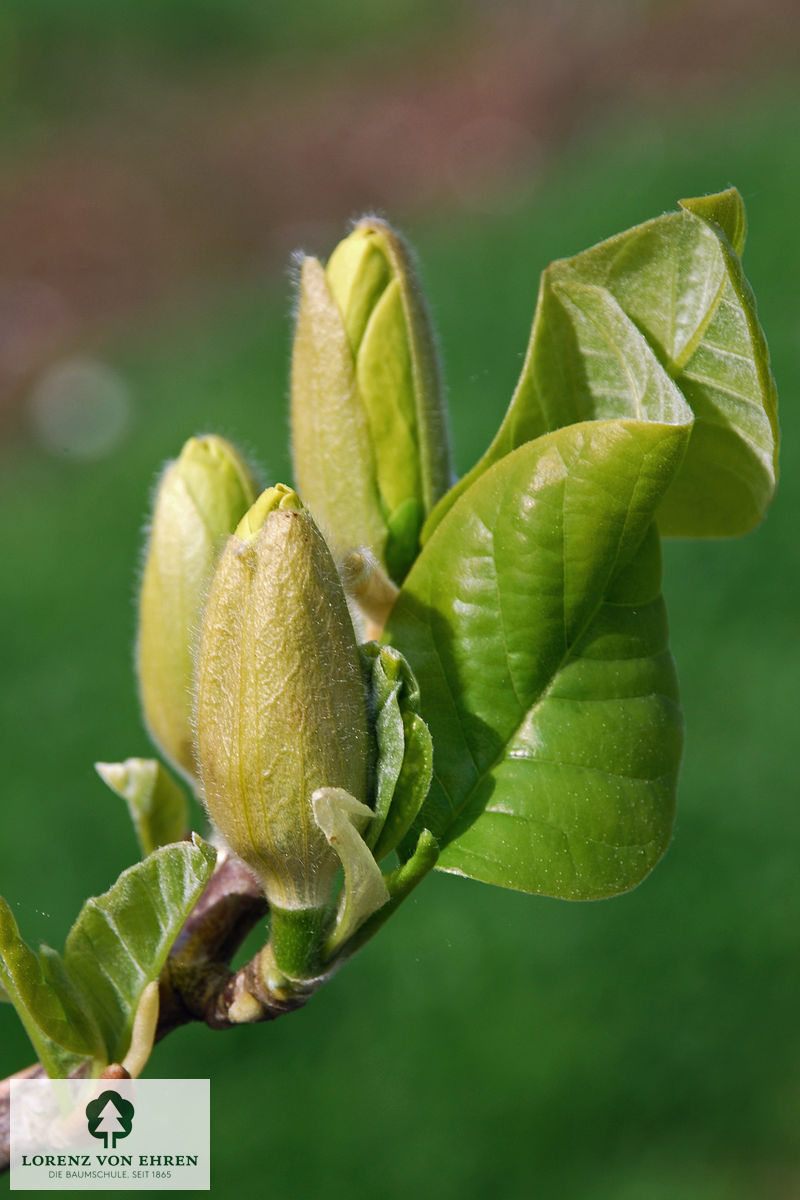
[197,983]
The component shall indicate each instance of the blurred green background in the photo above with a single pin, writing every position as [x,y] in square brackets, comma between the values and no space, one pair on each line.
[487,1043]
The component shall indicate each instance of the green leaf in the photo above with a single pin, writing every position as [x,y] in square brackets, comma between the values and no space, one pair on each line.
[45,1001]
[726,210]
[338,815]
[679,281]
[156,803]
[534,619]
[423,858]
[121,939]
[79,1015]
[404,750]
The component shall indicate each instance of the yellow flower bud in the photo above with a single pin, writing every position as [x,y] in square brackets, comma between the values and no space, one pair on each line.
[370,448]
[200,498]
[280,708]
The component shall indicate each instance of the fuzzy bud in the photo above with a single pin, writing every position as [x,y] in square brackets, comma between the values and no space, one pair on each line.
[280,708]
[200,498]
[371,453]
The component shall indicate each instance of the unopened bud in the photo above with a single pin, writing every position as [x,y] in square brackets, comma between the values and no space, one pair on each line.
[281,708]
[371,452]
[200,498]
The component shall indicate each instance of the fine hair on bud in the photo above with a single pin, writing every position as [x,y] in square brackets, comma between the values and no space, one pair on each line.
[369,440]
[280,704]
[199,499]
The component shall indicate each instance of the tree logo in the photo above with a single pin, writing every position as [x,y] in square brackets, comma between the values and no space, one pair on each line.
[110,1117]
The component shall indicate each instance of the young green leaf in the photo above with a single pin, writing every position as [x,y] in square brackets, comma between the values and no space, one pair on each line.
[121,939]
[156,803]
[78,1013]
[679,281]
[340,817]
[399,884]
[726,211]
[404,751]
[534,619]
[37,986]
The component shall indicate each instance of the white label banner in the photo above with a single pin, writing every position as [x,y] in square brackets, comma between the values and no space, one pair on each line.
[110,1134]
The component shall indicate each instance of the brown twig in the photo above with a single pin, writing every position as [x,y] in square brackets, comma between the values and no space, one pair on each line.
[197,983]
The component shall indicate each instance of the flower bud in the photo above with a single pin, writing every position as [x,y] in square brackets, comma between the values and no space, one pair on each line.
[280,707]
[200,498]
[370,448]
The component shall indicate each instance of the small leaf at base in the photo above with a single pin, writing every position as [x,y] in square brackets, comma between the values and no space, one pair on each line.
[338,814]
[42,995]
[121,939]
[156,803]
[405,754]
